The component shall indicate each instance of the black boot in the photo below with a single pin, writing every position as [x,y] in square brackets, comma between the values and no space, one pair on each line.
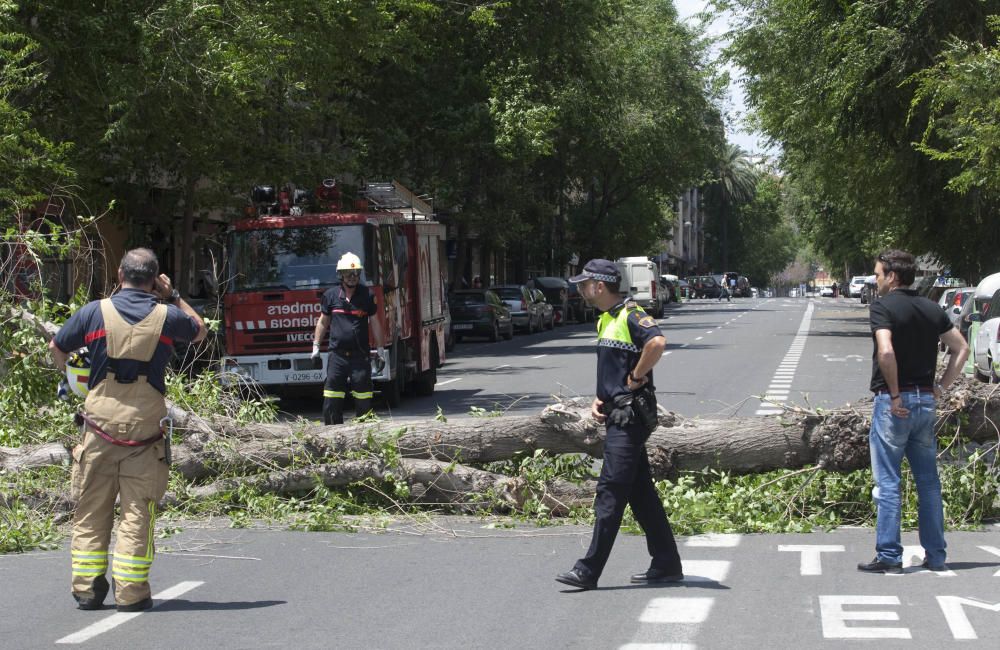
[99,587]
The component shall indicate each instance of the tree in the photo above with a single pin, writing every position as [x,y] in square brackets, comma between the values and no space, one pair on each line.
[764,241]
[845,116]
[735,182]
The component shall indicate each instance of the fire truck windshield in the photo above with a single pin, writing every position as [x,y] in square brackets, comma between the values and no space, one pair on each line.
[294,258]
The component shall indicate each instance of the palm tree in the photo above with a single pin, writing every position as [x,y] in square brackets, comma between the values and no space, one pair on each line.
[735,184]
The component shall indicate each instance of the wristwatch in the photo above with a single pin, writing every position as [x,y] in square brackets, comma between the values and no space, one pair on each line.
[174,296]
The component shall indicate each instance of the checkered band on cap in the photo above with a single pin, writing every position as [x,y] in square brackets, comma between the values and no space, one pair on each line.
[602,277]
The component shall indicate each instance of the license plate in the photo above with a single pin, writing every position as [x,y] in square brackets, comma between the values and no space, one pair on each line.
[463,327]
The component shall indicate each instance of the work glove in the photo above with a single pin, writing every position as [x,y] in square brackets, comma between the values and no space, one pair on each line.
[315,352]
[620,416]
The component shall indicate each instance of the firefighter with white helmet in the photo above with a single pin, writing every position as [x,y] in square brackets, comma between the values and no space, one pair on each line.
[346,311]
[123,455]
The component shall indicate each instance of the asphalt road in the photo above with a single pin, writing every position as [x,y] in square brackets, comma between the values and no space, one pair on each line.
[463,583]
[457,583]
[721,358]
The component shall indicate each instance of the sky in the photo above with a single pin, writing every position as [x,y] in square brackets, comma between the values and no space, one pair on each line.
[754,143]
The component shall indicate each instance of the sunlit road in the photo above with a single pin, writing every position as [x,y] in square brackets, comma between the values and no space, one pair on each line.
[721,359]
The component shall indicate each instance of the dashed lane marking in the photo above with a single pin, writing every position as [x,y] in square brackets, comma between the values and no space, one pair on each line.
[777,393]
[448,381]
[677,609]
[119,618]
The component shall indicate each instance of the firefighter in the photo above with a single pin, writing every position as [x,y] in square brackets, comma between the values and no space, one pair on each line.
[346,311]
[123,453]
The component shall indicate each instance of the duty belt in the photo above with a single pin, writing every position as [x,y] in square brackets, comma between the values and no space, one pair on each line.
[82,418]
[349,353]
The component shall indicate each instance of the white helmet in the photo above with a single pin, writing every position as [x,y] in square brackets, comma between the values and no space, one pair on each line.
[349,262]
[78,372]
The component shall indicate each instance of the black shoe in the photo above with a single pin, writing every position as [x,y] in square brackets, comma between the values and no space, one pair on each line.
[574,578]
[878,566]
[145,603]
[936,567]
[100,588]
[656,577]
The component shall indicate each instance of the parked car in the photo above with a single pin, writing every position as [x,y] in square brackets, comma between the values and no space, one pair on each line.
[826,292]
[579,309]
[479,312]
[556,292]
[704,286]
[547,309]
[984,334]
[525,310]
[856,285]
[869,291]
[953,300]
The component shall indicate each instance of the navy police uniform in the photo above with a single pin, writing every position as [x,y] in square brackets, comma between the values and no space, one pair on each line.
[625,477]
[348,361]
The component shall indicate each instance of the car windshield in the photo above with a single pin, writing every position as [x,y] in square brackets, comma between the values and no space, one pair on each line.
[508,293]
[292,258]
[471,298]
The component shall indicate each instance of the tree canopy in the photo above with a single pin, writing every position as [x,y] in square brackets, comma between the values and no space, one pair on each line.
[863,97]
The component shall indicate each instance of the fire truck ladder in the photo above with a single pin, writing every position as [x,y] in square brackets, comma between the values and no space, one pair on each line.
[393,197]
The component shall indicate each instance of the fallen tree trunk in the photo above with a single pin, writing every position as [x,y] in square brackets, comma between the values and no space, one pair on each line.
[434,455]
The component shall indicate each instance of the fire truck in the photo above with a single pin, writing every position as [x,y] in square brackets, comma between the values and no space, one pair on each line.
[282,258]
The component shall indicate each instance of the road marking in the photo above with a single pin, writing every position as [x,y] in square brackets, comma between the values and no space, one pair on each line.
[715,540]
[786,369]
[835,618]
[119,618]
[666,352]
[677,610]
[709,331]
[810,561]
[539,356]
[706,570]
[448,381]
[699,338]
[506,365]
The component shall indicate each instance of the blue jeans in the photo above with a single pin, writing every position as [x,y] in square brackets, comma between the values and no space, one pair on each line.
[890,439]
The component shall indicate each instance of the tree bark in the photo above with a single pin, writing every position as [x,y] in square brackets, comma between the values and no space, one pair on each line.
[835,440]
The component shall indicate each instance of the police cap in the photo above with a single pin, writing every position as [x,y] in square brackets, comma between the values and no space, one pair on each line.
[598,269]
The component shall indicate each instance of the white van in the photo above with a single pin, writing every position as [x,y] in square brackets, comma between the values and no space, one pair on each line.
[640,281]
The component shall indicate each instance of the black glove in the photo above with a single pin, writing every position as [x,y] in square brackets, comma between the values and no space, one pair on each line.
[620,417]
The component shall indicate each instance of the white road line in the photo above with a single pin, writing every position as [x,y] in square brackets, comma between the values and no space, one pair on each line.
[117,619]
[677,610]
[699,338]
[715,540]
[506,365]
[539,356]
[706,570]
[709,331]
[448,381]
[666,352]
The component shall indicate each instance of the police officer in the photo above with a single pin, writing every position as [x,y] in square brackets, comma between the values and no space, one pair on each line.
[629,345]
[346,309]
[123,454]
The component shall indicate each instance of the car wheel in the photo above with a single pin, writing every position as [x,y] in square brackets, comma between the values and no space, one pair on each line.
[495,334]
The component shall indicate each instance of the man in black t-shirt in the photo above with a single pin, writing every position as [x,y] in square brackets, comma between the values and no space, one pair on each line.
[906,329]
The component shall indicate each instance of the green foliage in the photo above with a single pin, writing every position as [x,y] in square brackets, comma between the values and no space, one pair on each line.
[881,119]
[763,241]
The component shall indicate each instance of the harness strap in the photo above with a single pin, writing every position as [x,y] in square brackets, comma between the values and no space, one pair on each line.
[82,418]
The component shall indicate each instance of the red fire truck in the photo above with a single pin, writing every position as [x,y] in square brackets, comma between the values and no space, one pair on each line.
[284,256]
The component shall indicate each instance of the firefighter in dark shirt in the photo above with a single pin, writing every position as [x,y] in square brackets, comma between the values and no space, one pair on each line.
[629,344]
[346,309]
